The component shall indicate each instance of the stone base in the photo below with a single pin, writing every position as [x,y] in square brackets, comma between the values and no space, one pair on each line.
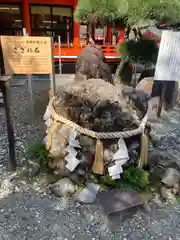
[118,200]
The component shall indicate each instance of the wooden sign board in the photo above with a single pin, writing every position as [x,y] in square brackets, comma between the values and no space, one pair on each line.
[27,55]
[168,62]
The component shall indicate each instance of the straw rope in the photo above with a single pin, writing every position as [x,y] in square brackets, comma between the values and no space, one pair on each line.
[97,135]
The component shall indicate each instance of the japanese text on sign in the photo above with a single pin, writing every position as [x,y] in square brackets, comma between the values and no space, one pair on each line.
[168,63]
[27,55]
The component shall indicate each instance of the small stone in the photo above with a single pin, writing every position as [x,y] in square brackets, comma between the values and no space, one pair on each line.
[12,176]
[170,177]
[175,189]
[6,184]
[64,187]
[30,169]
[93,178]
[88,194]
[75,178]
[16,189]
[166,193]
[81,172]
[19,144]
[6,188]
[132,236]
[147,207]
[23,160]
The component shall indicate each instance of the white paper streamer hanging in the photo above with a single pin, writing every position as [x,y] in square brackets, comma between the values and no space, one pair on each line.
[120,157]
[72,161]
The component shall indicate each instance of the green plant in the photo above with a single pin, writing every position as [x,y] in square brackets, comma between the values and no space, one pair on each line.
[178,199]
[132,178]
[107,181]
[127,11]
[38,151]
[144,49]
[136,177]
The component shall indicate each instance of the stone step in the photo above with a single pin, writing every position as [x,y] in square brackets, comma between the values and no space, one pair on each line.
[119,201]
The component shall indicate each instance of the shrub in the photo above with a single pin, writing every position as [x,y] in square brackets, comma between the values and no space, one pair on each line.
[136,177]
[38,151]
[132,178]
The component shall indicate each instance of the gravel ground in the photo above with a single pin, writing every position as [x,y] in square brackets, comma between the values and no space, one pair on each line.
[30,212]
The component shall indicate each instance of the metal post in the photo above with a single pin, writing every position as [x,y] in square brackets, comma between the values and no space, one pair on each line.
[24,32]
[5,88]
[59,53]
[31,97]
[53,79]
[30,87]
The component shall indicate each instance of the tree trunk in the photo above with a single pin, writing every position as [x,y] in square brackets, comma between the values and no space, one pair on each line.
[117,77]
[128,32]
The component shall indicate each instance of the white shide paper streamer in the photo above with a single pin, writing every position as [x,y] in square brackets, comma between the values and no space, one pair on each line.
[120,157]
[72,161]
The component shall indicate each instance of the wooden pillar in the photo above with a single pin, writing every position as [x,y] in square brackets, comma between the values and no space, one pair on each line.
[121,35]
[26,16]
[76,29]
[93,25]
[108,35]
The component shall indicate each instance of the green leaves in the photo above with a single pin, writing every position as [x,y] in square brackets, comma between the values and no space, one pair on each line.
[145,49]
[100,11]
[132,178]
[131,11]
[38,152]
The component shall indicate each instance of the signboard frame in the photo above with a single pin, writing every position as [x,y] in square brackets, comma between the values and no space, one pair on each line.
[27,55]
[168,62]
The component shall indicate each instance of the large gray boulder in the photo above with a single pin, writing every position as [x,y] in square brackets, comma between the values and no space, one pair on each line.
[99,106]
[90,64]
[96,105]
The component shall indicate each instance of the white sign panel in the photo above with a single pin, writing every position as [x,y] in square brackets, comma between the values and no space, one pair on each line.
[168,62]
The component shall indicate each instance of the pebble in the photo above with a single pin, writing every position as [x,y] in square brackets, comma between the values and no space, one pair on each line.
[30,169]
[64,187]
[170,177]
[19,144]
[88,194]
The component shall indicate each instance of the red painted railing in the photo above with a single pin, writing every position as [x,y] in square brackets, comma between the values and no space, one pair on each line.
[69,53]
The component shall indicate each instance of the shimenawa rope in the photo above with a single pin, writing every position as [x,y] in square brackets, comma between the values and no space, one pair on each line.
[97,135]
[98,166]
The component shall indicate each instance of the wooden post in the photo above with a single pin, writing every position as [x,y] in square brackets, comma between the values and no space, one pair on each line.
[161,99]
[53,78]
[76,41]
[109,35]
[5,88]
[26,17]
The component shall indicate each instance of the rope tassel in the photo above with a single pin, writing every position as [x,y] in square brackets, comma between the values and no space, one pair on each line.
[98,165]
[144,151]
